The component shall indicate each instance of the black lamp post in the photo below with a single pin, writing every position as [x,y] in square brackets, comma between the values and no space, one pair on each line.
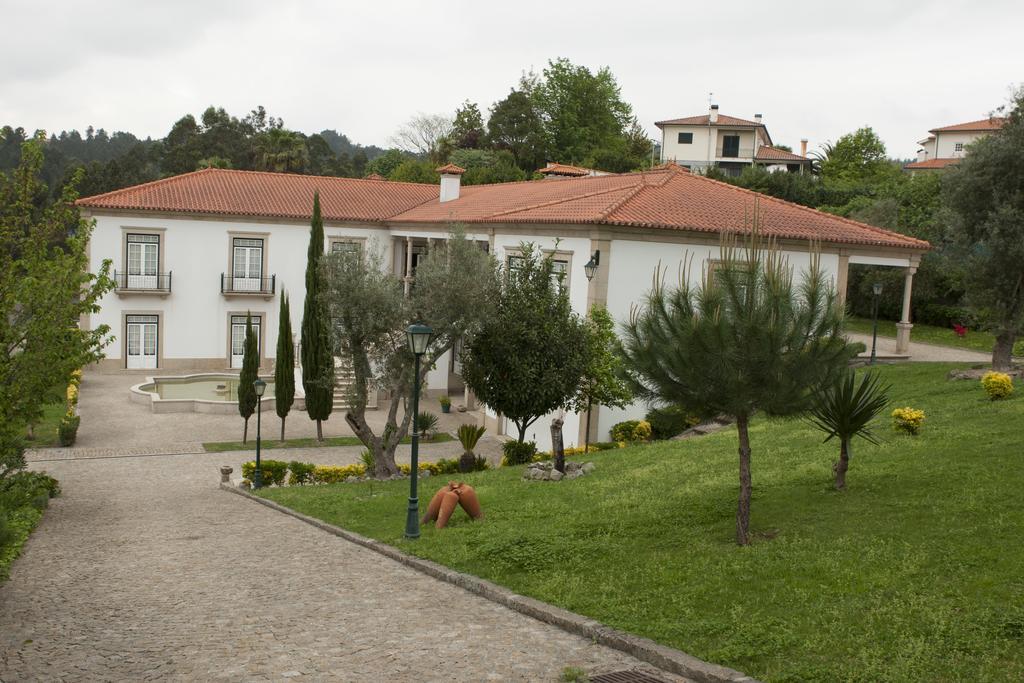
[260,386]
[877,290]
[419,340]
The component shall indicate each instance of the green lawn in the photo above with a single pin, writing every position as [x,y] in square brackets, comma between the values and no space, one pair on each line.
[221,446]
[975,340]
[46,429]
[915,573]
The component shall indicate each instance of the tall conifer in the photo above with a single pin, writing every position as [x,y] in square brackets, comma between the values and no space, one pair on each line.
[317,359]
[284,365]
[250,371]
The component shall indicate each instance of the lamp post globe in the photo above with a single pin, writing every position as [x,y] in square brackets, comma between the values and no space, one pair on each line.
[419,337]
[260,387]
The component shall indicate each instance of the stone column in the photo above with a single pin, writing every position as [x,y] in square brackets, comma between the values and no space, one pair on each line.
[842,278]
[408,265]
[904,326]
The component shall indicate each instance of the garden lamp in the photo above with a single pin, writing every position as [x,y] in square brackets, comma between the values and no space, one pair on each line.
[260,386]
[419,339]
[877,290]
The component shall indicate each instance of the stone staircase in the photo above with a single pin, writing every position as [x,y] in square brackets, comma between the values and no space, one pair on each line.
[343,378]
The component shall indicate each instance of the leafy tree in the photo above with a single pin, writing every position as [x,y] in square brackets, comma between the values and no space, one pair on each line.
[284,364]
[281,151]
[317,355]
[746,339]
[516,126]
[529,357]
[45,288]
[415,171]
[385,164]
[983,193]
[602,382]
[486,166]
[468,129]
[454,286]
[845,410]
[248,375]
[857,157]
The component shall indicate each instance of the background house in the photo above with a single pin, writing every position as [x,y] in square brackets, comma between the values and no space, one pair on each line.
[947,145]
[732,144]
[194,253]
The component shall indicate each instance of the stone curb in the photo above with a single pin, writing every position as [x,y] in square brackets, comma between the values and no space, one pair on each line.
[644,649]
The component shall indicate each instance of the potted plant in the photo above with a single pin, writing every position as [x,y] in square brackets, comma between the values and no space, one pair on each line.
[446,404]
[469,435]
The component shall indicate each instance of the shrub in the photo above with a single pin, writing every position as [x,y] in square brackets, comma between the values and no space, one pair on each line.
[631,430]
[670,421]
[997,385]
[273,471]
[300,473]
[6,533]
[72,394]
[908,420]
[469,435]
[367,459]
[332,474]
[27,488]
[518,453]
[67,431]
[424,423]
[605,446]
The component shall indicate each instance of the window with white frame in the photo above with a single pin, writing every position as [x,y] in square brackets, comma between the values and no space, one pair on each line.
[559,269]
[246,263]
[348,247]
[958,147]
[238,337]
[143,261]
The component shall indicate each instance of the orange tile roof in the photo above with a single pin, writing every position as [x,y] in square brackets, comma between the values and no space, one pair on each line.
[451,169]
[769,153]
[664,198]
[564,169]
[991,123]
[255,193]
[931,163]
[704,119]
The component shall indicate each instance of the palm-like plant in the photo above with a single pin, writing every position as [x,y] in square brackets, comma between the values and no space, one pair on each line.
[469,435]
[424,423]
[845,410]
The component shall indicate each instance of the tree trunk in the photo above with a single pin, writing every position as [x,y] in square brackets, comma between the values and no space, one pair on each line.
[586,435]
[383,451]
[282,429]
[843,464]
[557,447]
[319,431]
[743,508]
[245,431]
[1002,353]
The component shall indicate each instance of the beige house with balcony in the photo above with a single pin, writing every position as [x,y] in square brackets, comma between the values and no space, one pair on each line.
[730,143]
[948,145]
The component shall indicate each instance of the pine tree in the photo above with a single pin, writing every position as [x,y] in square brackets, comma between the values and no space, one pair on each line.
[248,375]
[284,365]
[317,359]
[746,340]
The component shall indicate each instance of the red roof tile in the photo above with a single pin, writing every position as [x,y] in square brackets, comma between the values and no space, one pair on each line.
[253,193]
[664,198]
[769,153]
[450,169]
[931,163]
[564,169]
[704,119]
[991,123]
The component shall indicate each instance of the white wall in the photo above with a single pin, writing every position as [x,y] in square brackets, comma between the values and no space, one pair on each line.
[698,153]
[946,143]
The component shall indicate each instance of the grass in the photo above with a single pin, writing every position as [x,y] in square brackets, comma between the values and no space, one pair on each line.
[975,340]
[46,428]
[914,573]
[329,442]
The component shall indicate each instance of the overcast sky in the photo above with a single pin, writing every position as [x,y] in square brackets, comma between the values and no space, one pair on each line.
[813,69]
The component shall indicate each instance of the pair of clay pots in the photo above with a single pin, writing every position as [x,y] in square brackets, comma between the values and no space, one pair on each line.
[442,505]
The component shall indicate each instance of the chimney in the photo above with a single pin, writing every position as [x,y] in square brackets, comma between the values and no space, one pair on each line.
[803,147]
[451,179]
[757,119]
[713,118]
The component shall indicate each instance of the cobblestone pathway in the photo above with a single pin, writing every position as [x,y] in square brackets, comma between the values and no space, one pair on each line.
[144,570]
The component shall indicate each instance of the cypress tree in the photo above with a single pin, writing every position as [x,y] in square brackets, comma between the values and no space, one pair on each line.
[250,371]
[317,359]
[284,365]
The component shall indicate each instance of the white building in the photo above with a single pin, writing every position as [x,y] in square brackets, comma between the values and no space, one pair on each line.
[730,143]
[948,145]
[194,253]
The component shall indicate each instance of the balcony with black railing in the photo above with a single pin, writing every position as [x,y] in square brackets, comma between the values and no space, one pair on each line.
[135,283]
[233,285]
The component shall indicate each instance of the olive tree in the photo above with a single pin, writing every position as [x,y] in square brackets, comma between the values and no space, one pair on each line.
[370,313]
[745,339]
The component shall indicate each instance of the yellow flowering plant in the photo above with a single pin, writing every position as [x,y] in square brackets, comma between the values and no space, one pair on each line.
[997,385]
[908,420]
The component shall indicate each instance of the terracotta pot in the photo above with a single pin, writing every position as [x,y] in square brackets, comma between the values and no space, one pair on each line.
[469,501]
[448,503]
[435,505]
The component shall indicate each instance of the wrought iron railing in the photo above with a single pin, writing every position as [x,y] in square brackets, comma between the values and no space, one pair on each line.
[230,284]
[130,282]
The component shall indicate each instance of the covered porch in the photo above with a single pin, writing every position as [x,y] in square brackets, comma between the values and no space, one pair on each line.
[908,264]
